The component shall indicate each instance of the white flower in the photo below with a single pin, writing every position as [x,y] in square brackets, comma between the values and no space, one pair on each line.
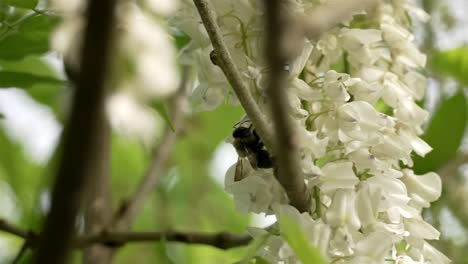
[337,175]
[342,211]
[359,120]
[132,118]
[355,130]
[423,189]
[373,248]
[163,7]
[421,229]
[358,43]
[434,255]
[256,192]
[368,204]
[335,84]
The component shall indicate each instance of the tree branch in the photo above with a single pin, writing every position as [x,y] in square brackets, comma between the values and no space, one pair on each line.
[128,211]
[81,140]
[225,62]
[220,240]
[454,190]
[285,148]
[14,230]
[98,207]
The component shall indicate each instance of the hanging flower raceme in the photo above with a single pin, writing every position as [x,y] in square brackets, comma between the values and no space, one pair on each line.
[353,96]
[144,60]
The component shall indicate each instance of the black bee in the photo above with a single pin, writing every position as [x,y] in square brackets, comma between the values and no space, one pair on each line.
[249,145]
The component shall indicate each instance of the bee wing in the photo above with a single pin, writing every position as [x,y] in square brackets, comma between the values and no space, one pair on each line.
[239,170]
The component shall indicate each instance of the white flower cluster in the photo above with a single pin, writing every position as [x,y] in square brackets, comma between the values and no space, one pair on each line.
[144,59]
[353,96]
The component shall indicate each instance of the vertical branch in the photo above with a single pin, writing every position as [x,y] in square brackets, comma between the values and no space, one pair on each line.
[225,62]
[98,208]
[285,148]
[81,140]
[454,191]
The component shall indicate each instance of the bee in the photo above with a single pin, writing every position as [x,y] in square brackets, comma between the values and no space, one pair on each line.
[249,146]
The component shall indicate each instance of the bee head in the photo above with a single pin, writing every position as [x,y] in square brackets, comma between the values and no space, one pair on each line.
[241,132]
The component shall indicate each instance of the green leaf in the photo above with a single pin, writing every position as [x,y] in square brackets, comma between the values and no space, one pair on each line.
[254,247]
[38,26]
[452,62]
[32,37]
[17,46]
[29,4]
[182,40]
[444,133]
[10,79]
[161,108]
[22,175]
[295,236]
[2,116]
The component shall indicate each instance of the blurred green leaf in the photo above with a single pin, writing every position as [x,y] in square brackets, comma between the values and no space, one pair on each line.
[182,40]
[260,260]
[128,164]
[1,116]
[38,27]
[32,37]
[295,236]
[17,46]
[47,93]
[29,4]
[254,247]
[452,62]
[193,154]
[23,175]
[161,108]
[444,133]
[10,79]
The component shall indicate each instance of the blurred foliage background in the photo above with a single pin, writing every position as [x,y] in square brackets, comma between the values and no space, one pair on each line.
[33,101]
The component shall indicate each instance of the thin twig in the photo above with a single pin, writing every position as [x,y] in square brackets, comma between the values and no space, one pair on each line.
[225,62]
[287,154]
[219,240]
[128,211]
[15,230]
[81,140]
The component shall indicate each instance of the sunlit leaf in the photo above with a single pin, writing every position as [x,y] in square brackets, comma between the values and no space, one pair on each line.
[129,161]
[452,62]
[29,4]
[22,174]
[444,133]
